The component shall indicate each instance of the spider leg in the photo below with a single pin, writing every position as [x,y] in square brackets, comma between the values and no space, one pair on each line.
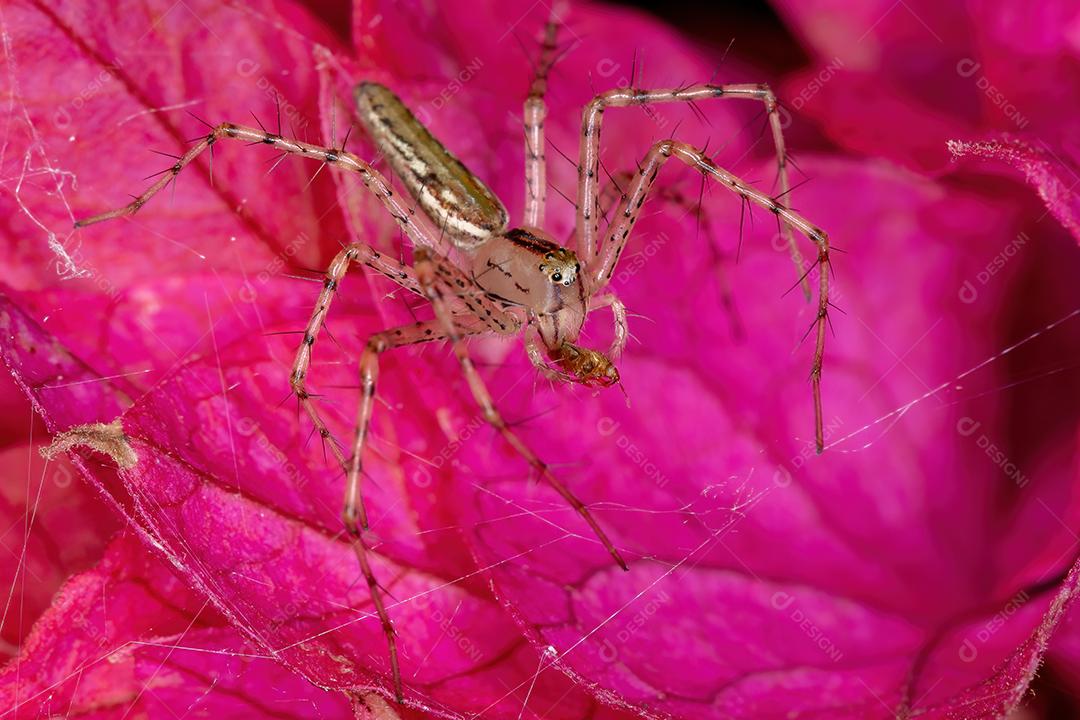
[354,514]
[588,218]
[402,212]
[464,292]
[353,505]
[482,319]
[437,293]
[599,273]
[618,312]
[535,112]
[481,307]
[339,266]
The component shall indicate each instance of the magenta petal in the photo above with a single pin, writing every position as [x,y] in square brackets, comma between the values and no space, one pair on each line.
[1063,653]
[1054,175]
[1029,66]
[55,525]
[911,569]
[764,573]
[896,79]
[116,92]
[128,639]
[883,80]
[252,525]
[862,112]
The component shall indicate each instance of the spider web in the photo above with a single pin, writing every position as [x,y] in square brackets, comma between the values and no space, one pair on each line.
[35,164]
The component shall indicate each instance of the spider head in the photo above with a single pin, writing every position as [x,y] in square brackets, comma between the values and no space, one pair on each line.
[560,266]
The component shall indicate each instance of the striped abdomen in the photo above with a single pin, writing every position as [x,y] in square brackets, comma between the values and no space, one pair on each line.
[467,211]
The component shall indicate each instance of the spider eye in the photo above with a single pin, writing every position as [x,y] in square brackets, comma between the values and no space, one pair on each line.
[557,277]
[566,282]
[549,256]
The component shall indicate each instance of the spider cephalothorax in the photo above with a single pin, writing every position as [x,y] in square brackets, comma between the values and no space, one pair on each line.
[525,268]
[553,295]
[508,279]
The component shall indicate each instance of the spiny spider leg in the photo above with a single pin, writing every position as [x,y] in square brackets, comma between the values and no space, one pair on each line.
[618,312]
[339,266]
[371,178]
[534,348]
[439,294]
[612,192]
[588,218]
[535,112]
[629,210]
[488,317]
[354,513]
[464,291]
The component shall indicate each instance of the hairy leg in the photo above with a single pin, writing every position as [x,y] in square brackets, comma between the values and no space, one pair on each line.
[535,112]
[464,291]
[599,272]
[534,348]
[618,312]
[480,315]
[402,213]
[440,297]
[589,161]
[354,514]
[335,274]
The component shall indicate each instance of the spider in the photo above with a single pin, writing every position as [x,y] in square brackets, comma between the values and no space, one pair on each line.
[507,280]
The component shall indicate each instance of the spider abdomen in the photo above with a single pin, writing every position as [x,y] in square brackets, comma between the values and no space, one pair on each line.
[464,207]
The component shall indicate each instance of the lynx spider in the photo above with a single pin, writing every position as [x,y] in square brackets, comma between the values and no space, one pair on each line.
[519,278]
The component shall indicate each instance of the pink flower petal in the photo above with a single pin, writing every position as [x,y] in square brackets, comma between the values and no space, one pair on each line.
[116,93]
[744,629]
[54,525]
[897,79]
[129,638]
[764,581]
[1053,174]
[256,532]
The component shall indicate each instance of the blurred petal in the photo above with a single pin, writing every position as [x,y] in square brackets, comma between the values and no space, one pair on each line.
[1053,175]
[898,79]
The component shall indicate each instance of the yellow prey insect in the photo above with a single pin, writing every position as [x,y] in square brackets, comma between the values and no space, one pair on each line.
[511,279]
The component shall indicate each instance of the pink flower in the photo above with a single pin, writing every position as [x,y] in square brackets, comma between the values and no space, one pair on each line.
[896,80]
[919,566]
